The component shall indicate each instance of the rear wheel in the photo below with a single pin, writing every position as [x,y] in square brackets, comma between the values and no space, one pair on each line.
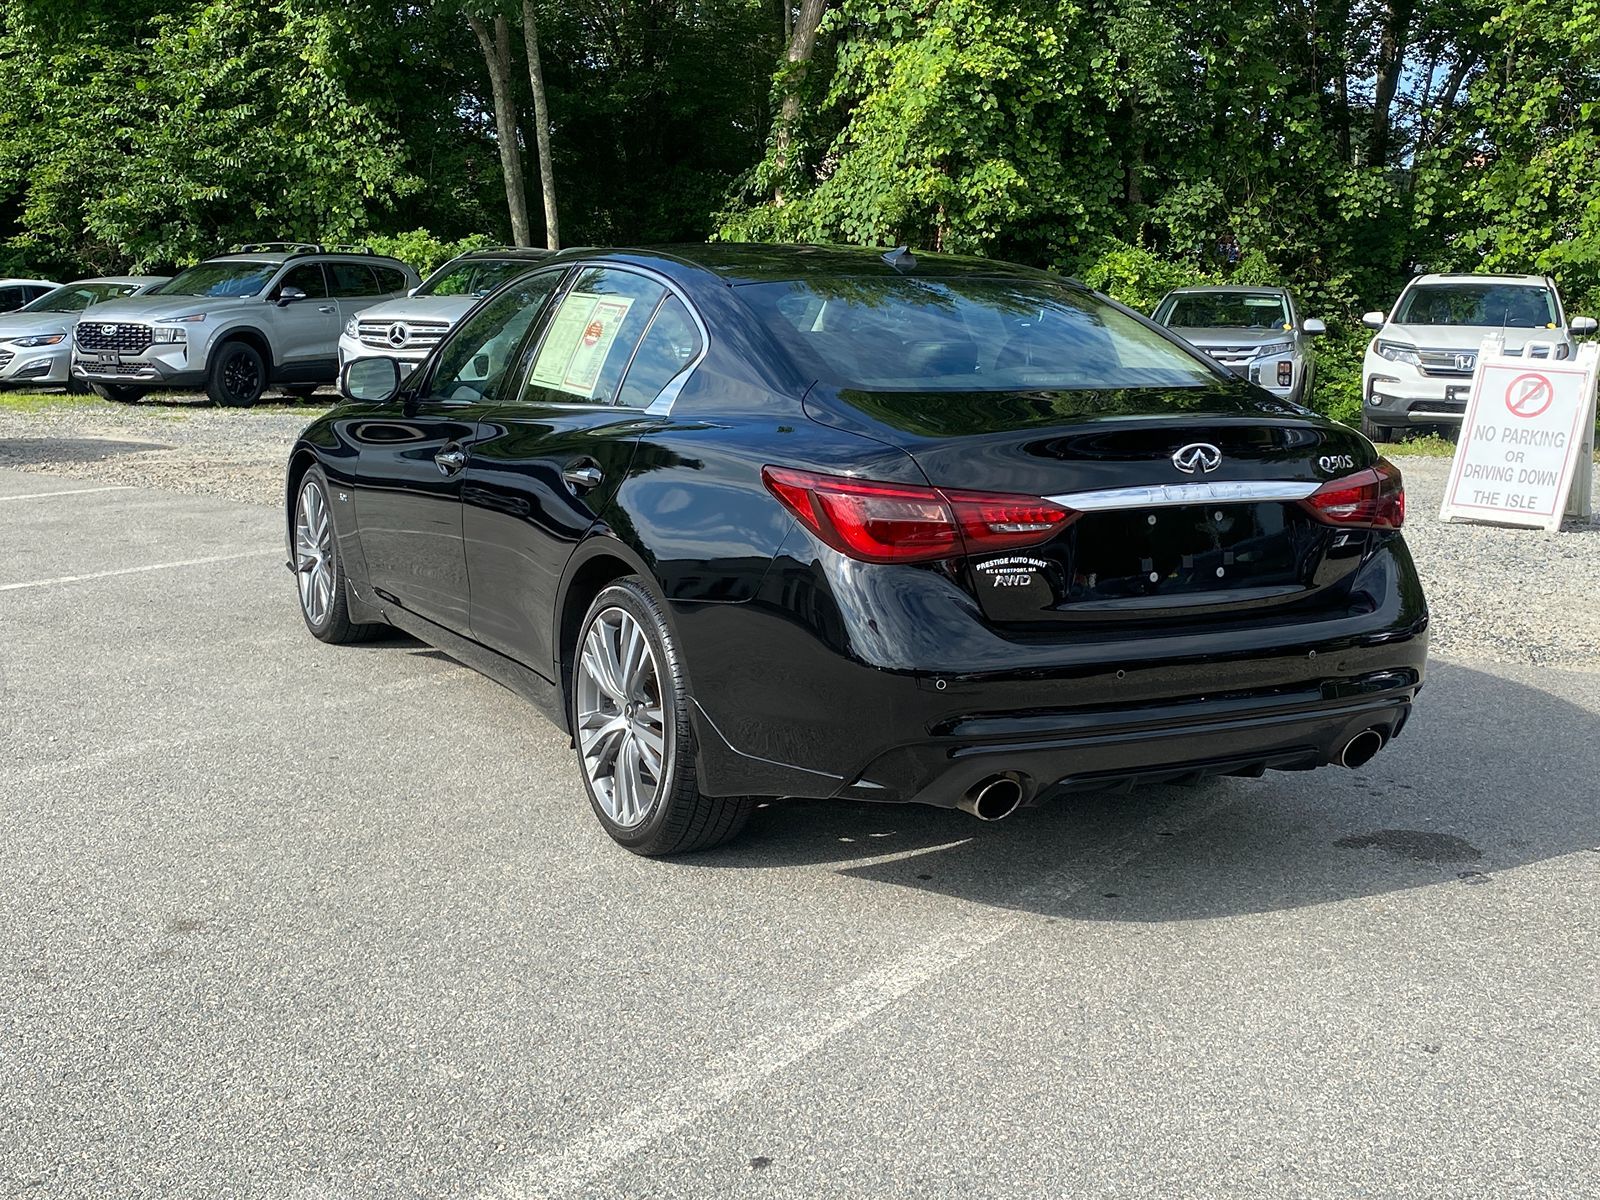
[635,746]
[237,375]
[319,574]
[117,393]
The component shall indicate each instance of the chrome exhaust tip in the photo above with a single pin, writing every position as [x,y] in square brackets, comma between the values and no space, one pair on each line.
[993,799]
[1358,751]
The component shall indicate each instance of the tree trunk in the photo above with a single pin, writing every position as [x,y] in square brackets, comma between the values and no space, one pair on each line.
[1392,37]
[496,48]
[796,58]
[541,124]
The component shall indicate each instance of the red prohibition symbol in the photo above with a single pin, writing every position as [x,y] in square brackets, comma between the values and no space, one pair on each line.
[1529,395]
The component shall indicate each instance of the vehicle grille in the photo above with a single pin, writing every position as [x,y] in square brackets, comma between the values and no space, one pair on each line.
[1453,363]
[1232,356]
[401,335]
[125,339]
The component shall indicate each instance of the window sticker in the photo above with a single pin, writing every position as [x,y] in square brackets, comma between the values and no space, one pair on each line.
[581,336]
[1262,302]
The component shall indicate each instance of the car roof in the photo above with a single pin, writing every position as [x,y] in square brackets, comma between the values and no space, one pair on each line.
[28,282]
[273,258]
[742,263]
[140,279]
[532,253]
[1229,289]
[1481,277]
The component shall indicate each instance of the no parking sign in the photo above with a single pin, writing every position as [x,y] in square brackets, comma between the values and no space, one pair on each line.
[1528,427]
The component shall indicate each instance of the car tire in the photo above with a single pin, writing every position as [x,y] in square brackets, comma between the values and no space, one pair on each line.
[116,393]
[319,573]
[302,391]
[1375,432]
[237,375]
[638,770]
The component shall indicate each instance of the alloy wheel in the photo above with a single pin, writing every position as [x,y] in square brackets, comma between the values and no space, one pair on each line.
[624,740]
[313,553]
[240,376]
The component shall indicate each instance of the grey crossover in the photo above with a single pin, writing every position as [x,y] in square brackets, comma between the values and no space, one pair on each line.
[1255,332]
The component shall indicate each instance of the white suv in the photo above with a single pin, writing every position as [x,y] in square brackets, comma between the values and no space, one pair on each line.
[1418,370]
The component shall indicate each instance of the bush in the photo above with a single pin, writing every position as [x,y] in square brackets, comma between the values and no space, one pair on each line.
[424,251]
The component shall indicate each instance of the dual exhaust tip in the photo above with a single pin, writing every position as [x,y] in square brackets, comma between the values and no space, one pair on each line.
[998,796]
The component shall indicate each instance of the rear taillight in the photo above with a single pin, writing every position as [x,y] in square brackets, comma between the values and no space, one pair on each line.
[891,522]
[1370,499]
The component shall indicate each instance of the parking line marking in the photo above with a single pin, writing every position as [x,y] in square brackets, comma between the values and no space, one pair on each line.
[166,566]
[116,487]
[560,1172]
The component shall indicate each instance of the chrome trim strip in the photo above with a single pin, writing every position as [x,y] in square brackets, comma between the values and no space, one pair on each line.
[1168,495]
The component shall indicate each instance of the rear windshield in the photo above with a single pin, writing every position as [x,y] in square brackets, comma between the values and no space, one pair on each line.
[967,335]
[474,277]
[1493,305]
[1225,310]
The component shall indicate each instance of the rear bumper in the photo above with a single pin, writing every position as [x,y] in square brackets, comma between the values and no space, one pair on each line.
[897,703]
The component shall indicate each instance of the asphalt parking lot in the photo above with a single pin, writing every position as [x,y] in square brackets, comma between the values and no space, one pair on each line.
[288,920]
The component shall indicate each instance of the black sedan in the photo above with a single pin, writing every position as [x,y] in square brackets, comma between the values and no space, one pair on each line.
[769,521]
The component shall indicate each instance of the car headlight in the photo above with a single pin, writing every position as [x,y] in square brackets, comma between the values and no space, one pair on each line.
[169,333]
[350,327]
[1273,348]
[1398,352]
[40,339]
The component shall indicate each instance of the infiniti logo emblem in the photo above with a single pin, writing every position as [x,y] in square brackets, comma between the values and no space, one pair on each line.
[1197,456]
[398,335]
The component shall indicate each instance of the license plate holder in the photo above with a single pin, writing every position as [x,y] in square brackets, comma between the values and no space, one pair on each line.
[1457,392]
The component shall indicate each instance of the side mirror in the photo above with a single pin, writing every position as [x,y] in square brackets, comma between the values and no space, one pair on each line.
[373,380]
[1313,326]
[1582,326]
[288,295]
[1374,320]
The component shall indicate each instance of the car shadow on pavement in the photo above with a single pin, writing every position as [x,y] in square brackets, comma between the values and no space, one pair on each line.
[1490,775]
[25,451]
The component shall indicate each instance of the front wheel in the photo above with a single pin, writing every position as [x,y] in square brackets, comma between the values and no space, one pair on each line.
[1375,432]
[237,375]
[631,723]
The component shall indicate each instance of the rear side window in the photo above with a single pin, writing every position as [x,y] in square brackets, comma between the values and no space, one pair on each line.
[968,335]
[391,280]
[308,278]
[670,345]
[352,279]
[11,297]
[591,337]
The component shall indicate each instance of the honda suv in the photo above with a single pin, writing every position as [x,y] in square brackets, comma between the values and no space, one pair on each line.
[267,314]
[1418,369]
[407,329]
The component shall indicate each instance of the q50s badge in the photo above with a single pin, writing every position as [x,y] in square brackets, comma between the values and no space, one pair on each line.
[1329,463]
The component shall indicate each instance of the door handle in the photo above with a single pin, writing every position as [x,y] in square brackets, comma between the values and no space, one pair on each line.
[325,308]
[450,460]
[583,475]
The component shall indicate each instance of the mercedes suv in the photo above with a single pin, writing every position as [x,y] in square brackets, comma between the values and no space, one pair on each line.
[1418,369]
[265,315]
[407,329]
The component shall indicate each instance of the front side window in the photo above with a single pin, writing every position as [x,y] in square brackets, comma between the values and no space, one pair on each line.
[471,277]
[1490,305]
[308,278]
[591,337]
[75,297]
[482,348]
[968,335]
[222,279]
[1226,310]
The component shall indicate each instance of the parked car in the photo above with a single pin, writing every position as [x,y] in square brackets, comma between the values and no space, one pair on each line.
[14,293]
[1418,369]
[1255,332]
[408,328]
[758,521]
[36,340]
[268,314]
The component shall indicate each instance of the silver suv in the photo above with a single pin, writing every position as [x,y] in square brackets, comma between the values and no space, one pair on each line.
[267,314]
[405,330]
[1255,332]
[1418,369]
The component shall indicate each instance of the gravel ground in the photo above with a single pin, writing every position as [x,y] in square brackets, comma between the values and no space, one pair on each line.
[1498,595]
